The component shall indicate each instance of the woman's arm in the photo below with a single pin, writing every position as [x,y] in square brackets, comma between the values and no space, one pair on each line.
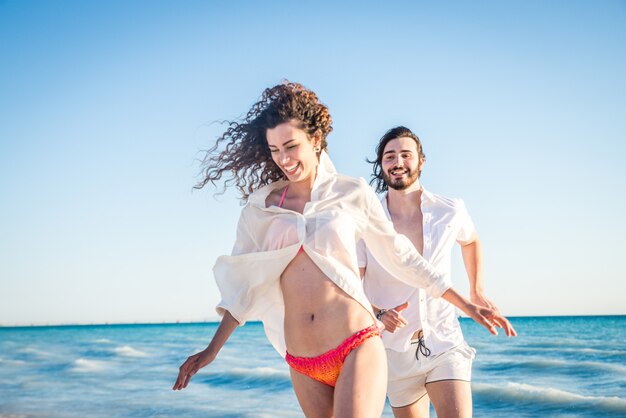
[395,252]
[194,363]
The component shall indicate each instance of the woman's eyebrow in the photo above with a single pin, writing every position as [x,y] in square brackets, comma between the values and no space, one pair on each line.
[284,143]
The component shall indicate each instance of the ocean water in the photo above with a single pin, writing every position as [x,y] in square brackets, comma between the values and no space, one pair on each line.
[557,367]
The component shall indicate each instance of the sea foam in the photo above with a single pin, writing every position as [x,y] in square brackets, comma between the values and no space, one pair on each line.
[523,392]
[260,372]
[552,364]
[577,350]
[34,351]
[82,365]
[11,362]
[128,351]
[265,377]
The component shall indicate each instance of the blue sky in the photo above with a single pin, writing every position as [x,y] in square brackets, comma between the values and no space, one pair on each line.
[104,107]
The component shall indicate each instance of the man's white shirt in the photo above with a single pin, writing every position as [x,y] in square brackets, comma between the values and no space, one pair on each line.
[445,221]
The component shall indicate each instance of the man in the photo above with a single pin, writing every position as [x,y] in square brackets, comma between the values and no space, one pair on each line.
[427,357]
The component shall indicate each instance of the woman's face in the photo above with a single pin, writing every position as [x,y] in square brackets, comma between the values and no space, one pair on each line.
[293,151]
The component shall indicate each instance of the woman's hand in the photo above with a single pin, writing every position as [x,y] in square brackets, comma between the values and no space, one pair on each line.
[190,367]
[206,356]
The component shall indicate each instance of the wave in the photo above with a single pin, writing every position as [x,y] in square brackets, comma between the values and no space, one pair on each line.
[82,365]
[575,367]
[10,362]
[621,353]
[583,350]
[275,414]
[571,344]
[265,378]
[262,372]
[128,351]
[549,396]
[589,350]
[102,341]
[34,351]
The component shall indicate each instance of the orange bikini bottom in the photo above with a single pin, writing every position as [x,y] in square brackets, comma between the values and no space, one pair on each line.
[326,367]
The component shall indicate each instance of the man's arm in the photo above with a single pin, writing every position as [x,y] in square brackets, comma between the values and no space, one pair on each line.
[487,317]
[473,259]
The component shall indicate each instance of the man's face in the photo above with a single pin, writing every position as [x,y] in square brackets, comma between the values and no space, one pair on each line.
[401,163]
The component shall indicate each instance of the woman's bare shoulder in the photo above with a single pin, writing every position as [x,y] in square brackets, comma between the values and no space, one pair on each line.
[273,198]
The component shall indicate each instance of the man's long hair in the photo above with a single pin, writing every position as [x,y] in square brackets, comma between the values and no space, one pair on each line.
[377,168]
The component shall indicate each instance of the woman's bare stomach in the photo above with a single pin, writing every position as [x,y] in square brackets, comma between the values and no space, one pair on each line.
[318,314]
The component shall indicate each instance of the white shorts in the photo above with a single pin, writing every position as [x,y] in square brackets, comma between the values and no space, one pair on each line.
[408,376]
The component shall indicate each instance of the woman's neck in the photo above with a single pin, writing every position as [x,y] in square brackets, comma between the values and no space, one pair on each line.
[302,189]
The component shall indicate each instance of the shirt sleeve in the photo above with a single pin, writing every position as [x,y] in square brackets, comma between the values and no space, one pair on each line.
[361,254]
[396,253]
[244,242]
[467,228]
[232,276]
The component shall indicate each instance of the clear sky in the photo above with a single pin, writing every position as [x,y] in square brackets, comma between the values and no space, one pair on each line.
[104,106]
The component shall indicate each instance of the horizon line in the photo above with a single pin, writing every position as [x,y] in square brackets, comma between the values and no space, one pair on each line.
[217,320]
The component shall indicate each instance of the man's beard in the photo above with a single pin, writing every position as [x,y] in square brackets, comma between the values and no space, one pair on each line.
[403,183]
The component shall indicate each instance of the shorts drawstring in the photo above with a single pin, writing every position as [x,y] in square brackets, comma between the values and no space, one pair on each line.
[421,347]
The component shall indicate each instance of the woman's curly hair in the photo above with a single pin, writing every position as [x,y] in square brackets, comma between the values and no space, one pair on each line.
[242,153]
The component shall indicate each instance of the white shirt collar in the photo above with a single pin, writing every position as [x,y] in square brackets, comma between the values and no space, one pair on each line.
[325,171]
[426,195]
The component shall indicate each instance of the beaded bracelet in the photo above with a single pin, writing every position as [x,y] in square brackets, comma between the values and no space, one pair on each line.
[380,313]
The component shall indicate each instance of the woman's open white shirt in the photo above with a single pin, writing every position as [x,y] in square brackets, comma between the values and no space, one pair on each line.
[342,211]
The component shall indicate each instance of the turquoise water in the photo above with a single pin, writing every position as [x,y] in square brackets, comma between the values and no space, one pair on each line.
[557,367]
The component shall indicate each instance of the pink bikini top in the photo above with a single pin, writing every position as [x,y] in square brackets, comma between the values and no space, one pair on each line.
[282,198]
[280,205]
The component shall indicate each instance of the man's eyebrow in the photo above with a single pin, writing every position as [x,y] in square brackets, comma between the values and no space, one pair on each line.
[394,151]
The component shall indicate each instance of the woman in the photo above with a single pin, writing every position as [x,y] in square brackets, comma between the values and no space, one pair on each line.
[294,263]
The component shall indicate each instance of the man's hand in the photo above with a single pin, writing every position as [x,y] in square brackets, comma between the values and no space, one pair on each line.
[480,299]
[393,319]
[487,317]
[490,319]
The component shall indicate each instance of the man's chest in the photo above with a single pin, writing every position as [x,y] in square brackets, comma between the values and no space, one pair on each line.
[412,228]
